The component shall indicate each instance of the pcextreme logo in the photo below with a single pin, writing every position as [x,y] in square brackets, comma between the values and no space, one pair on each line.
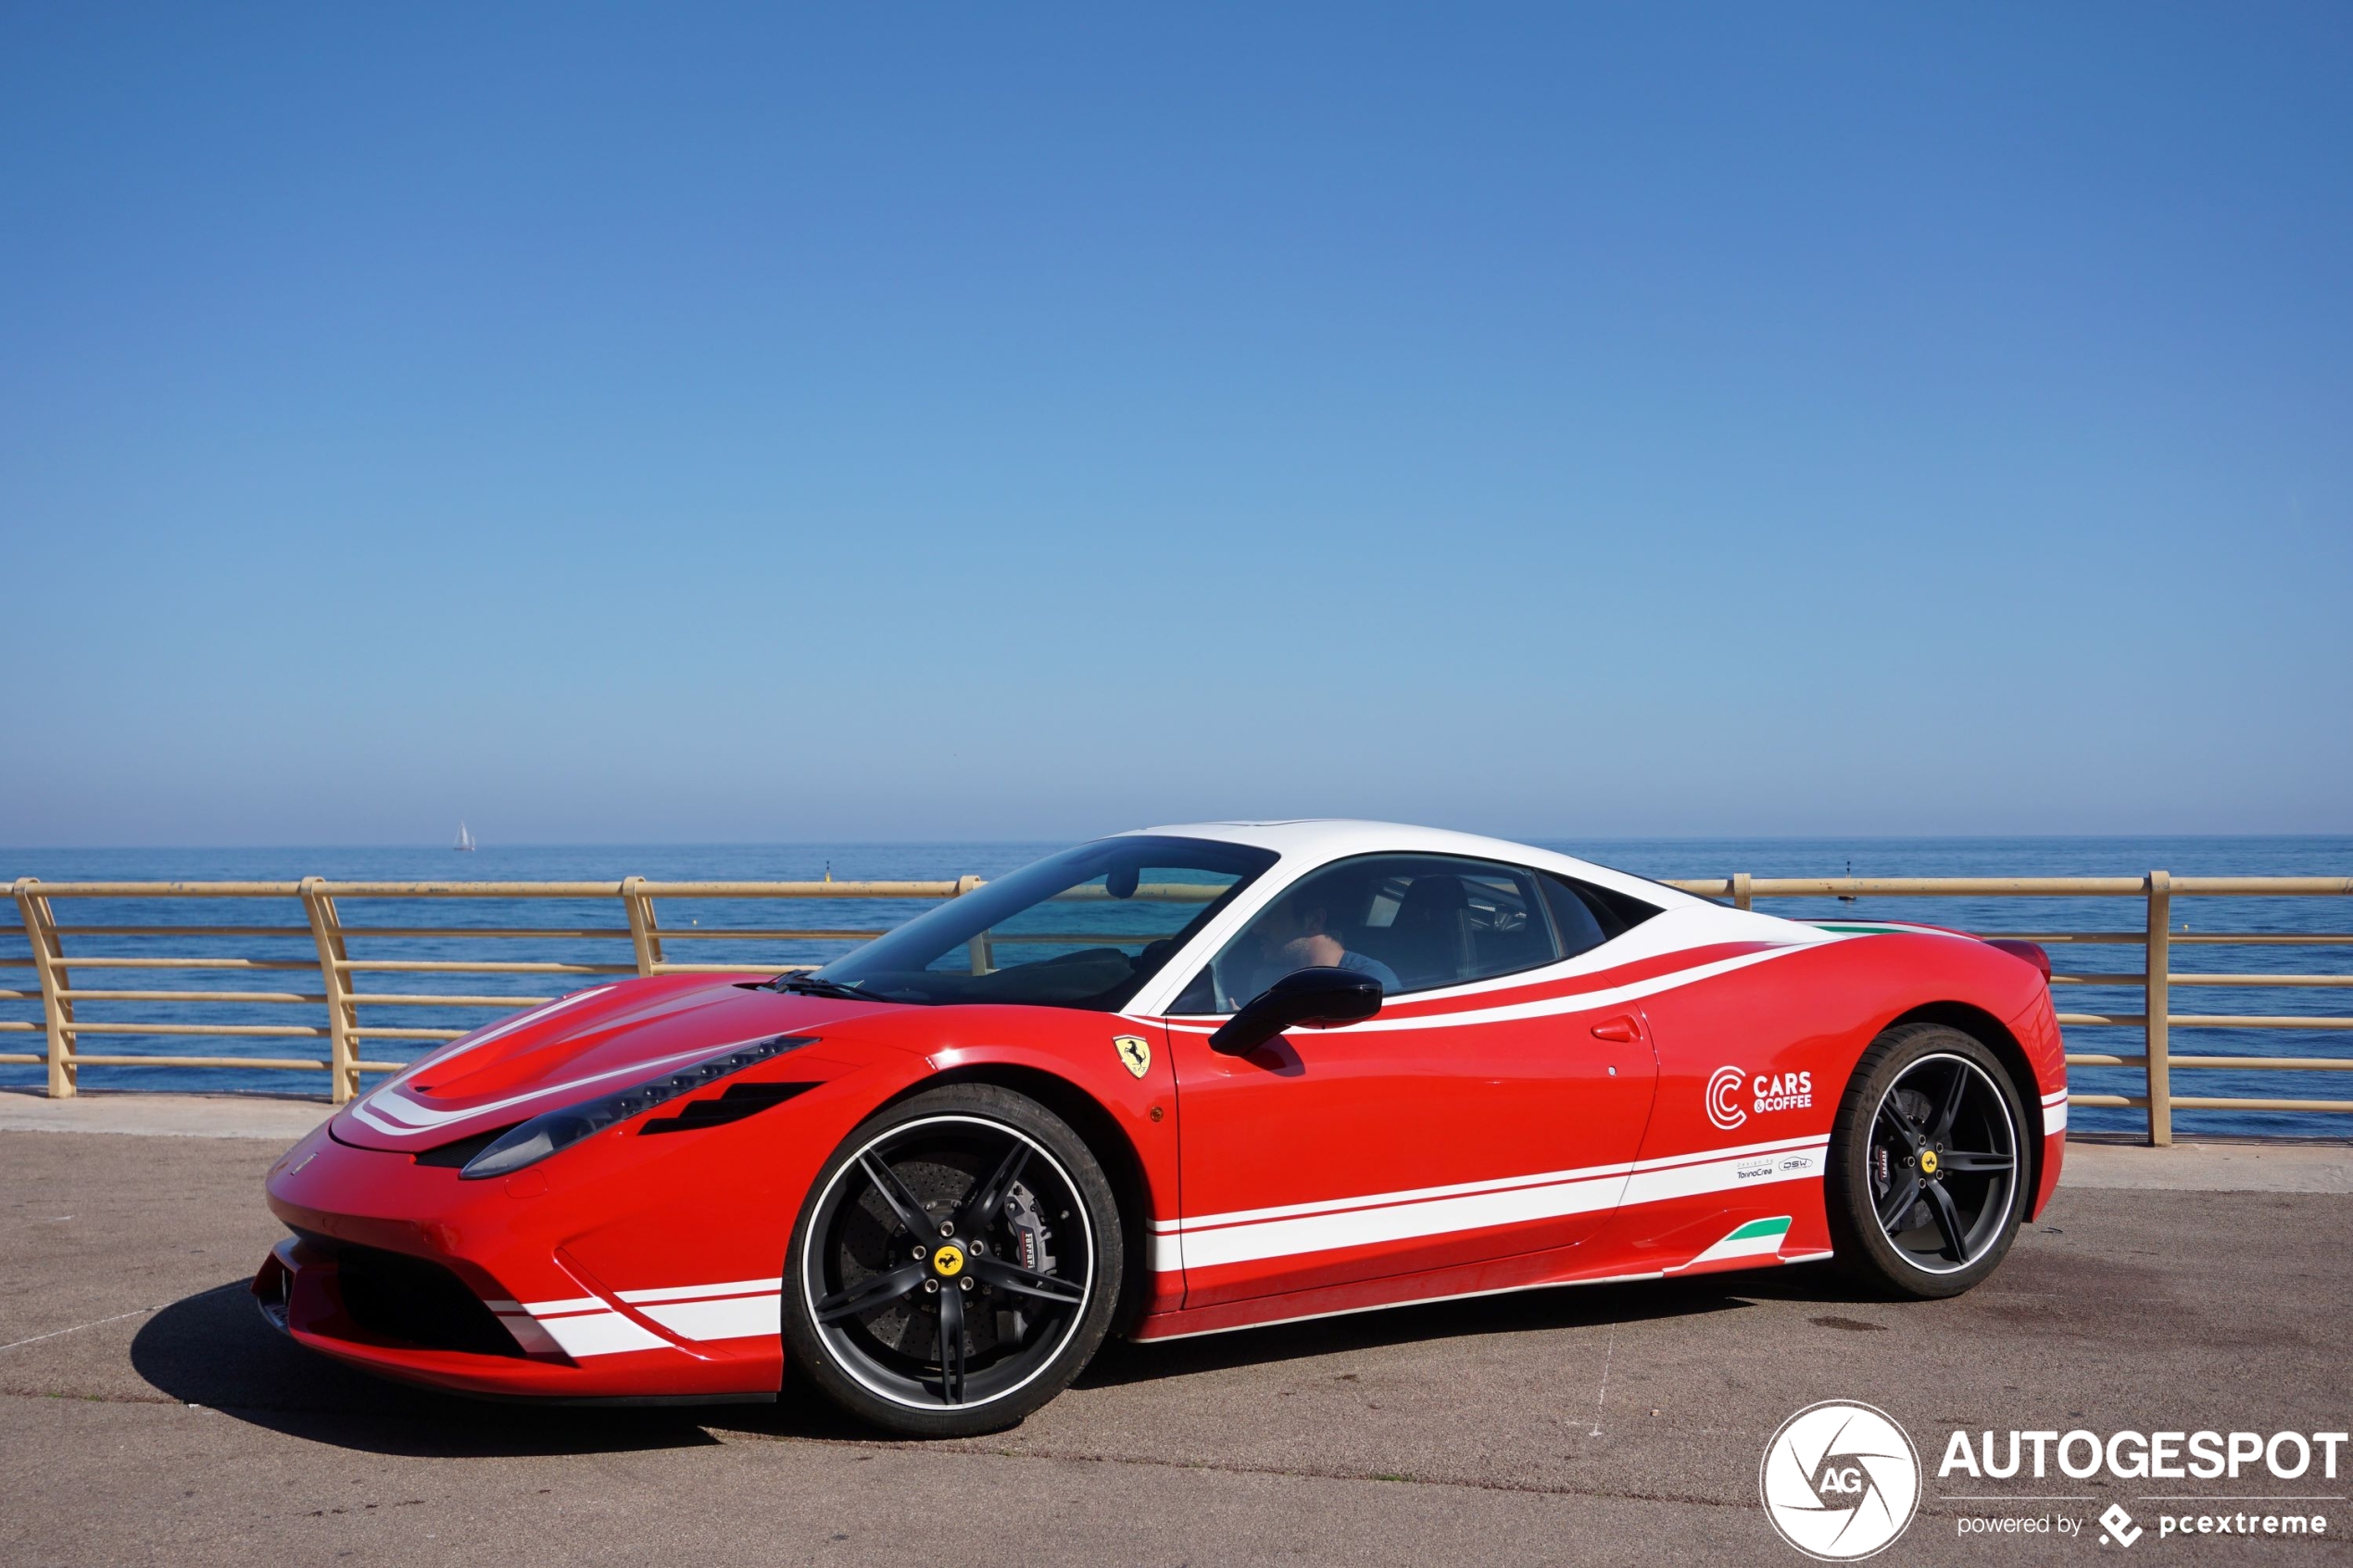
[1840,1481]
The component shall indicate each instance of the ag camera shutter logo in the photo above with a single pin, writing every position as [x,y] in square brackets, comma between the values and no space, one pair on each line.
[1840,1481]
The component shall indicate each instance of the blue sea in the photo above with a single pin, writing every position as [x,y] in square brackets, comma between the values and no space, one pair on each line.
[1657,858]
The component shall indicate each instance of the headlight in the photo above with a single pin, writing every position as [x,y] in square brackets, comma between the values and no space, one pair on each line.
[543,1136]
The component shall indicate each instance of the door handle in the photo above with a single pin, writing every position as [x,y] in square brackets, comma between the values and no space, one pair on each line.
[1622,1029]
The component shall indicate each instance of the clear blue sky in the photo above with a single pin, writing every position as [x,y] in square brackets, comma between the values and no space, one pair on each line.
[671,423]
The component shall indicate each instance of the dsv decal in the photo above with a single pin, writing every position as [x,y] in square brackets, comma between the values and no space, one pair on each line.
[1731,1095]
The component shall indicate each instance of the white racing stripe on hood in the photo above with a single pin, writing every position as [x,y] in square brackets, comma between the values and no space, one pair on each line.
[410,1119]
[491,1032]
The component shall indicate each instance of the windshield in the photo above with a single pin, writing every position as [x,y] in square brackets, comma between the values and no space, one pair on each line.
[1082,929]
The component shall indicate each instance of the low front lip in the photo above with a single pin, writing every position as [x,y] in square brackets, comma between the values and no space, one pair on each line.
[298,1292]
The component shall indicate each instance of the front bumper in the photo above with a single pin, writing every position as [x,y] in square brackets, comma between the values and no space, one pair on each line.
[618,1273]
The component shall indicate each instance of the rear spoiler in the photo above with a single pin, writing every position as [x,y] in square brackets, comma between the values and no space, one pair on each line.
[2031,951]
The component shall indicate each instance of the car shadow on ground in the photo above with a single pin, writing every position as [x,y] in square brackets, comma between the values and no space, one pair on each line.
[1525,1311]
[213,1349]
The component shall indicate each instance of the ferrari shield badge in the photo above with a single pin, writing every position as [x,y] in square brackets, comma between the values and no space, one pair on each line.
[1135,1053]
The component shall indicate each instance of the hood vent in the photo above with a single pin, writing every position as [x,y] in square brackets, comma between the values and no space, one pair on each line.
[739,1101]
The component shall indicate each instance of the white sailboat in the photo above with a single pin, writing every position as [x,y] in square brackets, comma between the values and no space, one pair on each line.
[465,843]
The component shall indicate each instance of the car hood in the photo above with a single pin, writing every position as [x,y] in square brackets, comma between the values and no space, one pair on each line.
[575,1047]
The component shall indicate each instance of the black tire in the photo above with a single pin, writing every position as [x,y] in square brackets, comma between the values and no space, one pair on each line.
[1929,1163]
[951,1335]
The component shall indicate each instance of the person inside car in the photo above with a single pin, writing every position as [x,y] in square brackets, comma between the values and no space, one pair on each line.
[1294,933]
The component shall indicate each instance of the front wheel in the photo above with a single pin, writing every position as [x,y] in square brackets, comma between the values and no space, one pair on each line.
[956,1264]
[1928,1165]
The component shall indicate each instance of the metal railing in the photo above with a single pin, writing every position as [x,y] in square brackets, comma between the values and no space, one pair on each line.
[345,1033]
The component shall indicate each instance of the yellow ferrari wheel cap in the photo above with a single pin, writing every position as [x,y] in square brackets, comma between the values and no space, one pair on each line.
[1135,1053]
[1928,1162]
[948,1260]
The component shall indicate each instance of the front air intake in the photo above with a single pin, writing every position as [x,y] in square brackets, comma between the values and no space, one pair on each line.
[415,1301]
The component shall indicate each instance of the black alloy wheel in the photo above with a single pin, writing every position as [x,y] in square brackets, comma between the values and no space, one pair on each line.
[1929,1163]
[956,1264]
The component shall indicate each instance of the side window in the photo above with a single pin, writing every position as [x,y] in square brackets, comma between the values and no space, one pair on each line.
[1414,922]
[1586,916]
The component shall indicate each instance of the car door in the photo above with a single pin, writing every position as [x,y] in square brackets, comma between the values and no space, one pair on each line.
[1484,1114]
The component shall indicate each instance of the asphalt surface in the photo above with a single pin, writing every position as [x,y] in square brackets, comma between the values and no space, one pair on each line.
[147,1415]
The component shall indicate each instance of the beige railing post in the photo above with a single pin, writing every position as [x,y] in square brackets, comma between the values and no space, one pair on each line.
[983,951]
[343,1014]
[644,937]
[49,962]
[1742,898]
[2156,1001]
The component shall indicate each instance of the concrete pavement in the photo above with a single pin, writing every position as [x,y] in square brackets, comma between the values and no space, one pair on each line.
[147,1415]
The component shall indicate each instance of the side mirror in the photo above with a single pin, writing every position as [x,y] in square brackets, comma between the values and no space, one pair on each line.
[1304,996]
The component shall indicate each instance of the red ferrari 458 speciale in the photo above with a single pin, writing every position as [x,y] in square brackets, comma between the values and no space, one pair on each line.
[1170,1082]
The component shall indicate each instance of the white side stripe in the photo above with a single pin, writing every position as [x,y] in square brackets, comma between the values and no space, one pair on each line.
[731,1317]
[1566,1193]
[588,1325]
[1416,1195]
[695,1292]
[599,1334]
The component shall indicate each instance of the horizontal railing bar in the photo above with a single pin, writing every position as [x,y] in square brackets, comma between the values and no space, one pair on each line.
[74,960]
[408,1033]
[2260,886]
[667,967]
[81,996]
[2248,982]
[438,966]
[735,933]
[2269,1063]
[2139,1102]
[2203,1021]
[290,932]
[2252,1020]
[505,889]
[21,1059]
[2253,1063]
[13,1027]
[399,998]
[2211,1103]
[2179,938]
[2017,886]
[304,933]
[402,933]
[313,1031]
[2113,939]
[1919,886]
[373,998]
[291,1064]
[2177,978]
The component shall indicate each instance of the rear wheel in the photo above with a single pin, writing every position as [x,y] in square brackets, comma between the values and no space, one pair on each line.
[955,1266]
[1928,1163]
